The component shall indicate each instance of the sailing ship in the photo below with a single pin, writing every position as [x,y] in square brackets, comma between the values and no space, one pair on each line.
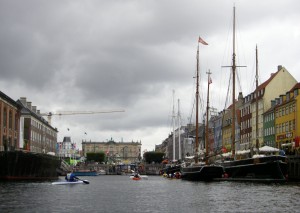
[200,171]
[271,168]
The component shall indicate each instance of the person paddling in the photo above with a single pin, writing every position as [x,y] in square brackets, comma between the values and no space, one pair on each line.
[70,177]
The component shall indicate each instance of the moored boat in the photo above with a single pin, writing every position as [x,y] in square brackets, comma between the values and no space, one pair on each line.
[201,171]
[85,173]
[21,165]
[272,168]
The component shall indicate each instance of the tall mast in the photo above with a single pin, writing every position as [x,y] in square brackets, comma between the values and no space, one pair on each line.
[173,121]
[233,89]
[256,100]
[207,112]
[233,67]
[197,98]
[179,126]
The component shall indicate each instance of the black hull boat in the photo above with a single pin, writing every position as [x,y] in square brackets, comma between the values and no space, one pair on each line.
[20,165]
[202,172]
[262,169]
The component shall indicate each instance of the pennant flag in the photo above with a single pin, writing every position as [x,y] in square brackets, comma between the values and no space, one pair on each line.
[202,41]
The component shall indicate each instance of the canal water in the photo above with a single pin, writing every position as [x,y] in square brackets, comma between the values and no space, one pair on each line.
[121,194]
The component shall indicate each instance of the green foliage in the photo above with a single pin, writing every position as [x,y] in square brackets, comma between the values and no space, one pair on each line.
[97,157]
[156,157]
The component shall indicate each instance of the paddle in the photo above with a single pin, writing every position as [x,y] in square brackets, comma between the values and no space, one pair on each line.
[85,181]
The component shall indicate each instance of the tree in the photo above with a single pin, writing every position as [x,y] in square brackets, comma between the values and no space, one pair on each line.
[97,157]
[156,157]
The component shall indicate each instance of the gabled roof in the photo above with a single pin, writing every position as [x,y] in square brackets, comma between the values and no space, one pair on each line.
[296,86]
[264,84]
[8,99]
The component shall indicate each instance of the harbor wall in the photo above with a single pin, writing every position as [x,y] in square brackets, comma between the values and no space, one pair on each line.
[145,169]
[294,168]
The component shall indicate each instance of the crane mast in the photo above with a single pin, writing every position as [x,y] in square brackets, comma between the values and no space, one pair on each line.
[62,113]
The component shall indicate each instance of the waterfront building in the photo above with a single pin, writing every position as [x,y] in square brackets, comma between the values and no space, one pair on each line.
[126,152]
[227,125]
[36,134]
[287,120]
[66,149]
[279,83]
[269,126]
[218,131]
[9,123]
[246,124]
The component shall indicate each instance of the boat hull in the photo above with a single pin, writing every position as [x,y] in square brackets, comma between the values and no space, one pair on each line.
[263,169]
[202,172]
[67,183]
[20,165]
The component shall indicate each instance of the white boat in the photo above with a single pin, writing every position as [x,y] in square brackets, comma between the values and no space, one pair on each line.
[70,183]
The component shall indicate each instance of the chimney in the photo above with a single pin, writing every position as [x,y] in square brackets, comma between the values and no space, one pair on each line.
[28,105]
[34,109]
[279,67]
[273,103]
[240,97]
[23,100]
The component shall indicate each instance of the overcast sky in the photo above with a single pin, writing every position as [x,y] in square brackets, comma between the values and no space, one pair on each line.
[99,55]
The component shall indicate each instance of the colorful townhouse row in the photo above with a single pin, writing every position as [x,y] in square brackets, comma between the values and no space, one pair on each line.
[275,123]
[270,115]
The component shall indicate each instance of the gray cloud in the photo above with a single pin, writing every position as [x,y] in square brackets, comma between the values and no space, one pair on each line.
[101,55]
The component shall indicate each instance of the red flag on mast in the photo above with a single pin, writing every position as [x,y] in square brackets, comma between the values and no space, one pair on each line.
[202,41]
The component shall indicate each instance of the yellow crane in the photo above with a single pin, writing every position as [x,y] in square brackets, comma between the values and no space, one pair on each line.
[60,113]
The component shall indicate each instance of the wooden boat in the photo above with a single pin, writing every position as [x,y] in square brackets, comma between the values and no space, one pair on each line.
[197,171]
[263,168]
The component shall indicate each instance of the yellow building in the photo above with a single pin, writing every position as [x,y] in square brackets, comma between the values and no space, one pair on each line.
[287,118]
[126,152]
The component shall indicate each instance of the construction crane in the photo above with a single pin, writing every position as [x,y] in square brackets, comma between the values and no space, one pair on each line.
[60,113]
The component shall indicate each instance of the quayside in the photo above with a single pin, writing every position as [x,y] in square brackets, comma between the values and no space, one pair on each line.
[21,165]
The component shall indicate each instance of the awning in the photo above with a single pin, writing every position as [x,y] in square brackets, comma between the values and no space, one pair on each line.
[268,149]
[286,144]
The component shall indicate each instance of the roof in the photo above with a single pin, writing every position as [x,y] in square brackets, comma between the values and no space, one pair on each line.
[8,99]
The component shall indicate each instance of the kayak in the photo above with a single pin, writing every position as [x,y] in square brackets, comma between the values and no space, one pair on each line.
[140,177]
[67,182]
